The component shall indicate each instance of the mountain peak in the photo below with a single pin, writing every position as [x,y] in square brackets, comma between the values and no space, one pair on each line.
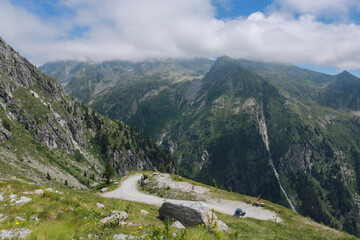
[225,59]
[345,74]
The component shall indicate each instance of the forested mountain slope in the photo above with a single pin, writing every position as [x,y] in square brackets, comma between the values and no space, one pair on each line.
[259,128]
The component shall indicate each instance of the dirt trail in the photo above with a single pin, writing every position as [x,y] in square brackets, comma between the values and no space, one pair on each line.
[128,191]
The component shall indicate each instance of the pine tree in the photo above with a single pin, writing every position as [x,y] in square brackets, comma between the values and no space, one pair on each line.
[214,184]
[108,173]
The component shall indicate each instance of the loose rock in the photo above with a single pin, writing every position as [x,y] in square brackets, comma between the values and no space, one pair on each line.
[178,225]
[22,200]
[142,211]
[115,218]
[25,199]
[122,237]
[99,205]
[14,233]
[39,191]
[221,226]
[13,196]
[104,190]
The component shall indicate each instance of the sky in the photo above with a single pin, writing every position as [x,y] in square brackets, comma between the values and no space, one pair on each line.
[322,35]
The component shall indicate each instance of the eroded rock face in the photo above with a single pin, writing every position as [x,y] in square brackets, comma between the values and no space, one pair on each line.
[37,103]
[191,214]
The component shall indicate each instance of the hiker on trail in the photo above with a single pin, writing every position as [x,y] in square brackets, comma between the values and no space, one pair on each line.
[259,198]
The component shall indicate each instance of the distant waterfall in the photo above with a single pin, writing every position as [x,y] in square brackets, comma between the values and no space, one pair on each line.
[263,132]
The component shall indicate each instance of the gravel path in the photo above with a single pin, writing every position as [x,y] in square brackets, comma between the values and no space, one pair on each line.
[128,191]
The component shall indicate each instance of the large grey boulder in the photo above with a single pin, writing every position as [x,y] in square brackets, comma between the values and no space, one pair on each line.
[191,214]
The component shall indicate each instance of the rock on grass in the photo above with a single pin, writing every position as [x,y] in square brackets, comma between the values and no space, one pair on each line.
[14,233]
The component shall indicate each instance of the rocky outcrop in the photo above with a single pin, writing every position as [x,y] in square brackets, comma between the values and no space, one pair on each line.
[191,214]
[68,138]
[128,161]
[115,218]
[4,133]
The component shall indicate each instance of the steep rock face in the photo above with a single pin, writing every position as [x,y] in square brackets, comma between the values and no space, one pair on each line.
[45,136]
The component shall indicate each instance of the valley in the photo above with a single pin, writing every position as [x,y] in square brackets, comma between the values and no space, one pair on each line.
[176,120]
[228,126]
[287,133]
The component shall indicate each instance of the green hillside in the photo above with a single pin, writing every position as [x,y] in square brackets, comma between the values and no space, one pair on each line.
[71,214]
[245,123]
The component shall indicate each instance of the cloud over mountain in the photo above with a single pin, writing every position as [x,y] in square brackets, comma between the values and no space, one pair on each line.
[140,29]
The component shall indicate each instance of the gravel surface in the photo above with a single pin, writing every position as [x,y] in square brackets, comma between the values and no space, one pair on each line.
[128,191]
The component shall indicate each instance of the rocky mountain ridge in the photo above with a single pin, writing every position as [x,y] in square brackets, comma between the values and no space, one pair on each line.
[46,136]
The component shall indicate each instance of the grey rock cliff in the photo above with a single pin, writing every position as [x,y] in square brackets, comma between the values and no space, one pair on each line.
[63,133]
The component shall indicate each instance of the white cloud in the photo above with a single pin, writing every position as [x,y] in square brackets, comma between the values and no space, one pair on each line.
[226,4]
[338,8]
[140,29]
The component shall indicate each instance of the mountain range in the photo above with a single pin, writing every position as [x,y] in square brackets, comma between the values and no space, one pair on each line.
[48,138]
[286,133]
